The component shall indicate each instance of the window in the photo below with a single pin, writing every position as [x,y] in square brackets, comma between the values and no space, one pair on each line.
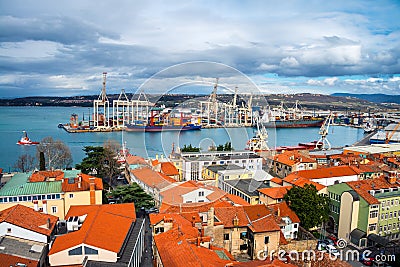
[295,225]
[226,236]
[390,215]
[54,209]
[266,239]
[159,230]
[8,230]
[75,251]
[372,227]
[91,251]
[201,194]
[71,195]
[201,200]
[373,214]
[243,235]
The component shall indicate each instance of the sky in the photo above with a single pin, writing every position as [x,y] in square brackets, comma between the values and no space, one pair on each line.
[61,48]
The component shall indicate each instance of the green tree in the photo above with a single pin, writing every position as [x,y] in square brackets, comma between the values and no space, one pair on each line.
[99,161]
[311,207]
[132,193]
[226,147]
[190,148]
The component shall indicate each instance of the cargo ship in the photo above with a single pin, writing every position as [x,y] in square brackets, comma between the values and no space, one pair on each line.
[160,128]
[162,119]
[282,117]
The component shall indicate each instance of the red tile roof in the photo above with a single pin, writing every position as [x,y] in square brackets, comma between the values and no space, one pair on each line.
[236,200]
[363,186]
[105,226]
[299,181]
[328,172]
[285,211]
[169,169]
[257,217]
[173,195]
[29,219]
[152,178]
[175,250]
[131,159]
[185,225]
[277,180]
[291,158]
[11,260]
[275,192]
[42,176]
[194,207]
[82,183]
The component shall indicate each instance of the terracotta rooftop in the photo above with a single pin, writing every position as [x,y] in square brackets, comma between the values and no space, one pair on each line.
[132,159]
[299,181]
[175,250]
[11,260]
[285,211]
[186,226]
[174,194]
[43,176]
[277,180]
[257,217]
[105,226]
[236,200]
[29,219]
[363,186]
[81,183]
[152,178]
[291,158]
[328,172]
[194,207]
[169,169]
[275,192]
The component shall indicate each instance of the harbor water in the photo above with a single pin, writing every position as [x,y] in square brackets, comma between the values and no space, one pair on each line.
[40,122]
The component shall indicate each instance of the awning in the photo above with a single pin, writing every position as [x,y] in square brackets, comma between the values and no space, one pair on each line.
[358,234]
[378,239]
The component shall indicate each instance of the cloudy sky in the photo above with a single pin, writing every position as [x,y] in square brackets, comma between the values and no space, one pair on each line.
[62,47]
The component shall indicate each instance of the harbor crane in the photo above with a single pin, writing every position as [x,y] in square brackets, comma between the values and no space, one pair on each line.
[323,142]
[390,135]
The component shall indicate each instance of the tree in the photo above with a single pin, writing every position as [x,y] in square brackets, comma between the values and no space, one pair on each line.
[25,163]
[190,148]
[57,153]
[100,162]
[132,193]
[42,162]
[311,207]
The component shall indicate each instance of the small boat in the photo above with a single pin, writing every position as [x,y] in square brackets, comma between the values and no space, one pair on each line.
[25,140]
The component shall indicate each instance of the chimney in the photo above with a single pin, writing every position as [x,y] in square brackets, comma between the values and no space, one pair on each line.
[210,217]
[236,221]
[92,191]
[198,241]
[279,212]
[35,205]
[79,181]
[44,206]
[48,223]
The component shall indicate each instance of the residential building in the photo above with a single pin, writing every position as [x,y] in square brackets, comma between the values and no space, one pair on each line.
[52,192]
[366,212]
[100,235]
[151,182]
[244,188]
[328,175]
[25,234]
[190,192]
[290,161]
[191,164]
[272,195]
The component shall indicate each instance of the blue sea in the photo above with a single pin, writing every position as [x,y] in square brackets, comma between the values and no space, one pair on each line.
[40,122]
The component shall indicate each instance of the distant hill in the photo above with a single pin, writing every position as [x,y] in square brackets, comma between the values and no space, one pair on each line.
[376,98]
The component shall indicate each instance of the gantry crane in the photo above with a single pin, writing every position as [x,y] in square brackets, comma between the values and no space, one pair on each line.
[390,135]
[323,142]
